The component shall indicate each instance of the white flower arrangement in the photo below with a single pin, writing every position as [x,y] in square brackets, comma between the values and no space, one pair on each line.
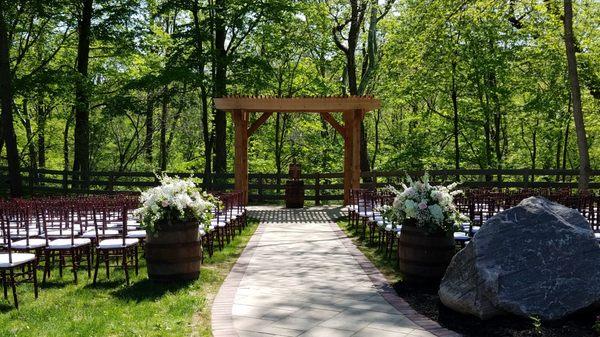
[430,207]
[174,200]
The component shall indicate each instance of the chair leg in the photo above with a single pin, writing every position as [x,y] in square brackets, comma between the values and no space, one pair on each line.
[89,261]
[97,265]
[46,266]
[106,264]
[4,284]
[35,282]
[136,260]
[74,257]
[61,261]
[14,288]
[125,266]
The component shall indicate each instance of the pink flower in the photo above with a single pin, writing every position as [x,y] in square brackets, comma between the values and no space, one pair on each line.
[422,205]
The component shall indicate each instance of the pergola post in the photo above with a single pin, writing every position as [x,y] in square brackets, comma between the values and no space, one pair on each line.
[357,119]
[348,154]
[240,121]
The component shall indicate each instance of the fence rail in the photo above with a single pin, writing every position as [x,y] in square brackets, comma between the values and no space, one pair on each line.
[269,187]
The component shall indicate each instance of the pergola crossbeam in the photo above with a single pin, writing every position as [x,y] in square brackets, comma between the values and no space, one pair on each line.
[260,121]
[331,120]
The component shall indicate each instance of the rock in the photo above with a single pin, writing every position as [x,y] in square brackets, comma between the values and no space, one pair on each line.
[538,258]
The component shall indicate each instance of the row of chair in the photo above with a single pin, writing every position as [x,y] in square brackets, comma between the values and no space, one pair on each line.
[476,204]
[86,232]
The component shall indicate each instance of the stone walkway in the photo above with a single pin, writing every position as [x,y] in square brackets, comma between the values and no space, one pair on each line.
[301,276]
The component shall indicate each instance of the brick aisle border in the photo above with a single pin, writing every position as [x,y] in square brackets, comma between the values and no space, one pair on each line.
[221,311]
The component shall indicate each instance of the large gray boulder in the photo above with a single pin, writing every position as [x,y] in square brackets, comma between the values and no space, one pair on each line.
[538,258]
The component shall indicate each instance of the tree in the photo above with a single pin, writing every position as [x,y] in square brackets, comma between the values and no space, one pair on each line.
[582,144]
[6,97]
[81,162]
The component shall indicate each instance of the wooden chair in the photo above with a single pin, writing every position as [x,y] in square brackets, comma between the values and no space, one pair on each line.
[14,265]
[124,249]
[67,242]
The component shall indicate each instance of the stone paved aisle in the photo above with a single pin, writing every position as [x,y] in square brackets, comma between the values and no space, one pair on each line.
[300,276]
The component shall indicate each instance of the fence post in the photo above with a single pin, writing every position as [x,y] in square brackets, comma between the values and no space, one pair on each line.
[526,179]
[317,190]
[31,179]
[260,188]
[111,182]
[65,181]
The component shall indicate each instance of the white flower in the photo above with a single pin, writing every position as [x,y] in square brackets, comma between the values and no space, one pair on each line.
[436,212]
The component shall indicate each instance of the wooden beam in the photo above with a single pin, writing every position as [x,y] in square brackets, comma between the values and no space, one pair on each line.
[240,120]
[257,123]
[356,149]
[303,104]
[329,118]
[348,122]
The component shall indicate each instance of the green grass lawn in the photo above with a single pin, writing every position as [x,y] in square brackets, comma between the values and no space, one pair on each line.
[111,308]
[388,267]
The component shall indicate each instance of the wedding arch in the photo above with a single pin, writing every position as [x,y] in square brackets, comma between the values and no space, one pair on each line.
[353,109]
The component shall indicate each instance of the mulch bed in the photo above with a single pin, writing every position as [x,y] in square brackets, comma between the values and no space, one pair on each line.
[426,301]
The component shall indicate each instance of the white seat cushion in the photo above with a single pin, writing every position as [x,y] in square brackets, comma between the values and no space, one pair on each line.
[117,243]
[33,243]
[92,233]
[597,236]
[141,234]
[17,259]
[65,233]
[461,236]
[23,232]
[66,243]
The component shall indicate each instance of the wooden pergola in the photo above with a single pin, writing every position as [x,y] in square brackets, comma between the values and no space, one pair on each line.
[353,109]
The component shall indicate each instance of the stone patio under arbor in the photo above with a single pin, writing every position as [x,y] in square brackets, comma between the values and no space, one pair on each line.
[301,276]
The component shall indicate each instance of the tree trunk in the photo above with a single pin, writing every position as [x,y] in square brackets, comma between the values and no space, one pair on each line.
[455,119]
[1,139]
[206,135]
[220,88]
[31,154]
[565,149]
[148,140]
[582,144]
[42,114]
[163,131]
[6,97]
[66,142]
[81,162]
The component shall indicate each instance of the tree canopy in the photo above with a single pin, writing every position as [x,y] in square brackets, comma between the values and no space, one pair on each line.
[463,84]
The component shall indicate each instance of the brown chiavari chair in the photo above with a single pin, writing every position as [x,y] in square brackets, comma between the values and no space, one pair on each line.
[14,267]
[123,249]
[66,242]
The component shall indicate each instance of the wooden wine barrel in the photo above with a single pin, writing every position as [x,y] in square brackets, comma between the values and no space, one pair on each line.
[294,194]
[423,259]
[174,254]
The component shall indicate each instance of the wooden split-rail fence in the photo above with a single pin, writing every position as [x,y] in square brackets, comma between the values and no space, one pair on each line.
[270,187]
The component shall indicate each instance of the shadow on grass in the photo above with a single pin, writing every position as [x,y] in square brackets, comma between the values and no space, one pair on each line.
[105,284]
[6,306]
[148,290]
